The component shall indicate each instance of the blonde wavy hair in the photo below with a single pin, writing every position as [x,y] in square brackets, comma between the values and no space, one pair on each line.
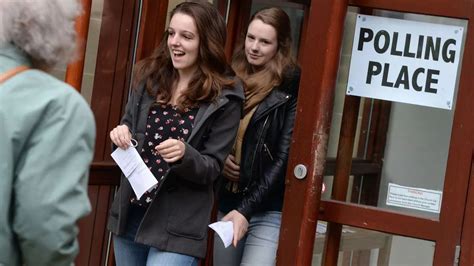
[43,29]
[259,83]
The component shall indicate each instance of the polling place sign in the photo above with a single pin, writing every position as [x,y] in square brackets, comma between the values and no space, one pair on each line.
[405,61]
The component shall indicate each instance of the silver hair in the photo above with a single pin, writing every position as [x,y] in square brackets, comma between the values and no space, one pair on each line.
[43,29]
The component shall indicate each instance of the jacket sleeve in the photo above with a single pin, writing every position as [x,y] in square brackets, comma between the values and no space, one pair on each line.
[130,109]
[131,106]
[273,176]
[203,166]
[50,187]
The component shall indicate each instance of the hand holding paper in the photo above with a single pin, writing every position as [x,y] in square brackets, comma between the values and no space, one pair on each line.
[140,177]
[240,225]
[225,230]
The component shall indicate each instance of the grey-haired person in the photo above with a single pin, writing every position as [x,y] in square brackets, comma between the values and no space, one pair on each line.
[47,134]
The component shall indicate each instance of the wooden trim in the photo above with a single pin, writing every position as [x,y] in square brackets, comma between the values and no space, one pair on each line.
[282,3]
[123,68]
[345,147]
[467,237]
[301,202]
[381,128]
[304,30]
[152,27]
[371,185]
[112,74]
[358,167]
[75,70]
[113,62]
[86,228]
[105,72]
[379,220]
[100,233]
[459,159]
[379,122]
[239,15]
[374,109]
[104,173]
[456,9]
[377,116]
[93,233]
[131,61]
[364,135]
[341,177]
[222,7]
[365,138]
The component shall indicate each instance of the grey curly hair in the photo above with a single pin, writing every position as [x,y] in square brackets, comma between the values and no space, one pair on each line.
[43,29]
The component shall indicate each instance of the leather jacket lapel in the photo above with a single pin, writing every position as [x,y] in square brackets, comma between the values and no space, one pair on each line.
[273,100]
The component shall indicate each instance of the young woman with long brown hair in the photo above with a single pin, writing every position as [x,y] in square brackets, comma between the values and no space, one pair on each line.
[184,114]
[252,197]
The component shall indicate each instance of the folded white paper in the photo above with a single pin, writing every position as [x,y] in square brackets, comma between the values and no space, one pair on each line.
[225,230]
[140,177]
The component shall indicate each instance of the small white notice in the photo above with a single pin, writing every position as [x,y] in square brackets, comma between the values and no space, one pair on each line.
[225,230]
[414,198]
[140,177]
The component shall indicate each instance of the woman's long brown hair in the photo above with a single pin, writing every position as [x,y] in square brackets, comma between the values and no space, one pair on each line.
[213,73]
[259,83]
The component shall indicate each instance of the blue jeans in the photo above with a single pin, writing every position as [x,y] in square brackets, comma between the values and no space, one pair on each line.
[129,253]
[257,247]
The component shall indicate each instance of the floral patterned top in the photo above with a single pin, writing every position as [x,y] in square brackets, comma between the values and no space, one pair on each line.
[163,122]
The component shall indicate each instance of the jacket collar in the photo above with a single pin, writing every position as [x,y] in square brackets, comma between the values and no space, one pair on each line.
[207,109]
[273,99]
[280,94]
[11,57]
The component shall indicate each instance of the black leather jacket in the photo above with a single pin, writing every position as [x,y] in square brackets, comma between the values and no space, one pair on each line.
[265,149]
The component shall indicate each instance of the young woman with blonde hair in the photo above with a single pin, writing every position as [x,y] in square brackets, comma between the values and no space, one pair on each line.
[252,197]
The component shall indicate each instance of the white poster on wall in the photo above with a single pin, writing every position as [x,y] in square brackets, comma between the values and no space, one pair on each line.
[414,198]
[405,61]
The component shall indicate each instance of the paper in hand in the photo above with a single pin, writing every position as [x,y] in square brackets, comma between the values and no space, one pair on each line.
[225,230]
[140,177]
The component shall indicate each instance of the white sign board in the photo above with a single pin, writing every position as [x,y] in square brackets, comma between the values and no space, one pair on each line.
[414,198]
[405,61]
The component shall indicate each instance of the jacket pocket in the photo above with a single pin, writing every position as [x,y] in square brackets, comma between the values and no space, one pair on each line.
[189,211]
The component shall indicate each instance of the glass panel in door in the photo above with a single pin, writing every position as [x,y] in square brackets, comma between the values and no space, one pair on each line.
[413,165]
[364,247]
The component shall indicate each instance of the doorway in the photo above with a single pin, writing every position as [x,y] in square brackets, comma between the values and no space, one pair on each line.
[361,148]
[385,153]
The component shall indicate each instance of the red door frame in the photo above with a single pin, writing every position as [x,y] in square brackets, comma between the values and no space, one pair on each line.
[302,197]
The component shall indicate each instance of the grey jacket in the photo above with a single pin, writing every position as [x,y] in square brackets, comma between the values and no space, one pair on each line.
[177,218]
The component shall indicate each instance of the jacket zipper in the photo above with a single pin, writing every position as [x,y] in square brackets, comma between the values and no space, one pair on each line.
[255,153]
[259,140]
[267,150]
